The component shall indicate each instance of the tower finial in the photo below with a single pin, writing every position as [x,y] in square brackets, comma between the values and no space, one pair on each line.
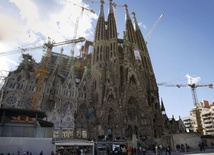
[102,2]
[110,4]
[135,21]
[127,12]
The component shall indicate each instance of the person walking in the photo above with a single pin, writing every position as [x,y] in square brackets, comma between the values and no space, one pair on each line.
[168,150]
[156,150]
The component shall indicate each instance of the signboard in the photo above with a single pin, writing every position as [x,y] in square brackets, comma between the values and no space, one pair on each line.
[137,54]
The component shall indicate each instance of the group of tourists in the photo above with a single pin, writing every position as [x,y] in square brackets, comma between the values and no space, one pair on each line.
[201,146]
[182,147]
[160,150]
[127,150]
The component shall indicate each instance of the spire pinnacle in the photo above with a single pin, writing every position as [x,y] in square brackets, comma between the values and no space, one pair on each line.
[127,12]
[111,9]
[102,8]
[135,21]
[162,105]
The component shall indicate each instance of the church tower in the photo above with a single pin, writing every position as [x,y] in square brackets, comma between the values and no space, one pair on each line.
[122,98]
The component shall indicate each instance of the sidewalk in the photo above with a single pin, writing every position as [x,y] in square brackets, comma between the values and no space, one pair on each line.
[183,153]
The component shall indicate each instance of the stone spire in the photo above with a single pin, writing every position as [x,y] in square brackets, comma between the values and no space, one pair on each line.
[100,28]
[162,106]
[140,40]
[129,27]
[112,28]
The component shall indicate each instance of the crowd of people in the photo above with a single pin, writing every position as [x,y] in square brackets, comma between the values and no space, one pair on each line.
[126,150]
[160,150]
[182,147]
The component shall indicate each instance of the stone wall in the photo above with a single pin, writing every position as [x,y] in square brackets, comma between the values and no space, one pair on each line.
[192,139]
[22,144]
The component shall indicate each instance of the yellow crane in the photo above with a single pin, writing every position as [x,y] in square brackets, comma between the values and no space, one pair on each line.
[42,73]
[193,87]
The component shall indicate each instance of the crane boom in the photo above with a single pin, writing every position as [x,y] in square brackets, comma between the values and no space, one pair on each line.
[46,45]
[192,86]
[195,110]
[156,23]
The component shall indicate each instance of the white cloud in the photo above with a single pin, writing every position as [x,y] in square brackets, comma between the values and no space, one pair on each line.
[39,20]
[31,23]
[192,80]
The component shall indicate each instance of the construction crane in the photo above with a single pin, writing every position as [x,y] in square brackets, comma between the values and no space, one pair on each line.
[42,73]
[193,87]
[46,45]
[77,23]
[20,50]
[153,27]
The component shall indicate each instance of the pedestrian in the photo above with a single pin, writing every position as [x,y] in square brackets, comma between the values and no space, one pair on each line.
[129,150]
[200,146]
[211,144]
[161,149]
[178,147]
[168,150]
[144,151]
[186,147]
[203,146]
[134,151]
[140,150]
[157,150]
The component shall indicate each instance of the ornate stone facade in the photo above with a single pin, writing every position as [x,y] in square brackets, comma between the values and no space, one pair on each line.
[110,92]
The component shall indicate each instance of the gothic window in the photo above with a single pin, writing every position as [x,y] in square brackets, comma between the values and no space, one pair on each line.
[101,53]
[36,81]
[11,100]
[110,46]
[107,52]
[95,84]
[132,108]
[127,70]
[67,106]
[110,117]
[121,75]
[57,123]
[98,50]
[19,78]
[110,98]
[132,80]
[69,86]
[28,102]
[84,88]
[94,55]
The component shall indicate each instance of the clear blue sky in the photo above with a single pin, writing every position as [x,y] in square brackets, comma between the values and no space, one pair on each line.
[181,43]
